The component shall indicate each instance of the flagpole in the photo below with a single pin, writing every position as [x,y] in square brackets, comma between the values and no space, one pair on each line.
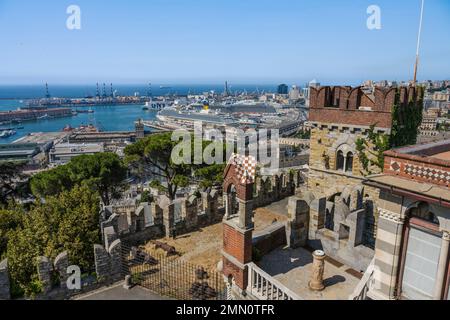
[418,42]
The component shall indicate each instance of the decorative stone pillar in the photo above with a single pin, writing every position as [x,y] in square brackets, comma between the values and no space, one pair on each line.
[245,213]
[442,266]
[318,269]
[237,229]
[226,203]
[391,226]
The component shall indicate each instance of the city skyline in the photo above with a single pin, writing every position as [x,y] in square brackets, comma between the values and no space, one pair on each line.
[207,43]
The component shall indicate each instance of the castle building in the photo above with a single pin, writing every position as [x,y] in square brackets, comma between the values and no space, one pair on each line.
[412,247]
[349,129]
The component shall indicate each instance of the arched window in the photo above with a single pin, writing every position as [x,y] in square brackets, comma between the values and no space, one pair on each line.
[422,211]
[340,160]
[349,163]
[421,255]
[234,204]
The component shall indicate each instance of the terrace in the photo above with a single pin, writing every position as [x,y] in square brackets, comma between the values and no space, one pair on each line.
[290,270]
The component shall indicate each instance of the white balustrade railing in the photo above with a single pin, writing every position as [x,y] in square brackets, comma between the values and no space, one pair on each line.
[263,287]
[363,287]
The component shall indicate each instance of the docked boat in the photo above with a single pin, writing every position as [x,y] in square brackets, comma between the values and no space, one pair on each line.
[7,133]
[43,117]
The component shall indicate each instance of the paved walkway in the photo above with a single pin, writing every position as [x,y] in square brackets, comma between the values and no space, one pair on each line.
[117,292]
[293,268]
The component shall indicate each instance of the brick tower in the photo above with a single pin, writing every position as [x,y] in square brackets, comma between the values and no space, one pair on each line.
[238,223]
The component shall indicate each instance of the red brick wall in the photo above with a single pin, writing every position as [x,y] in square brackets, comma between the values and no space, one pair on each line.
[237,244]
[351,117]
[340,105]
[240,276]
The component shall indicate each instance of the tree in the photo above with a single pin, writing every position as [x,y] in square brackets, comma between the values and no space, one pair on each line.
[10,219]
[103,172]
[11,180]
[153,156]
[210,176]
[68,221]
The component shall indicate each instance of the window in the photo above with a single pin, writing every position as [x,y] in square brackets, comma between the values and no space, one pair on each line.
[420,254]
[349,163]
[340,161]
[329,219]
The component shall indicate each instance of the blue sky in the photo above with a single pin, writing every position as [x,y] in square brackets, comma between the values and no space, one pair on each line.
[209,41]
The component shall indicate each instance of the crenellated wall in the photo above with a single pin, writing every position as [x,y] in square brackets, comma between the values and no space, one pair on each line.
[163,217]
[108,267]
[352,106]
[108,262]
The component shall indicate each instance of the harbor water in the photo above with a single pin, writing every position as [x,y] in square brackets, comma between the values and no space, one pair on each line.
[105,118]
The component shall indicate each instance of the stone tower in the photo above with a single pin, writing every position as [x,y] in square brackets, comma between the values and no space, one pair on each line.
[339,117]
[238,223]
[139,127]
[344,122]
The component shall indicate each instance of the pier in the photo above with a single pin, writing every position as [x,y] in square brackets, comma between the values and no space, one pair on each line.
[156,126]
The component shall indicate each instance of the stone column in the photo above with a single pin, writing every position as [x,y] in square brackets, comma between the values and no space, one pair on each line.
[318,269]
[226,203]
[442,267]
[245,213]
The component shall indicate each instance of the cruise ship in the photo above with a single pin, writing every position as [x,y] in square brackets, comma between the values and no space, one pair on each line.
[187,118]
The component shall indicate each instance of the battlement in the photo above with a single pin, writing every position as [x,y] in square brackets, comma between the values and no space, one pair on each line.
[352,106]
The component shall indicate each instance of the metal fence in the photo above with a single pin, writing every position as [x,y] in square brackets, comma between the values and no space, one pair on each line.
[170,276]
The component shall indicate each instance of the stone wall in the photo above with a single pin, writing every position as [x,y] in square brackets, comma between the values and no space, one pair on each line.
[53,275]
[270,238]
[343,225]
[163,217]
[326,142]
[108,263]
[297,226]
[269,189]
